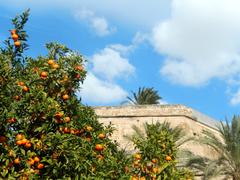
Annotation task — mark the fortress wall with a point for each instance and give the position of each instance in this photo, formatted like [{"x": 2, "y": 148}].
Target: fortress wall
[{"x": 124, "y": 117}]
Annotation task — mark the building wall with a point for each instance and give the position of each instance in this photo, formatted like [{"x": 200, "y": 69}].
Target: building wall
[{"x": 124, "y": 117}]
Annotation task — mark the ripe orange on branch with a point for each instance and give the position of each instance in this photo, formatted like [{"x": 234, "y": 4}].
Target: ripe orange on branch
[
  {"x": 137, "y": 156},
  {"x": 44, "y": 75},
  {"x": 17, "y": 43},
  {"x": 40, "y": 166},
  {"x": 15, "y": 37},
  {"x": 55, "y": 66},
  {"x": 13, "y": 31},
  {"x": 154, "y": 160},
  {"x": 65, "y": 97},
  {"x": 99, "y": 147},
  {"x": 67, "y": 119},
  {"x": 36, "y": 159},
  {"x": 17, "y": 161},
  {"x": 168, "y": 158},
  {"x": 20, "y": 83},
  {"x": 58, "y": 115},
  {"x": 51, "y": 62},
  {"x": 101, "y": 136},
  {"x": 28, "y": 145},
  {"x": 79, "y": 68},
  {"x": 17, "y": 98},
  {"x": 12, "y": 120},
  {"x": 25, "y": 89},
  {"x": 19, "y": 136},
  {"x": 89, "y": 128},
  {"x": 30, "y": 162}
]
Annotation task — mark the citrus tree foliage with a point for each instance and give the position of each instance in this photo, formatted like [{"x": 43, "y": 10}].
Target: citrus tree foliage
[
  {"x": 45, "y": 131},
  {"x": 157, "y": 153}
]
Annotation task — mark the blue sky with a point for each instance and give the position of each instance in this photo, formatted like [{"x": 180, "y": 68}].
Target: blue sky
[{"x": 186, "y": 49}]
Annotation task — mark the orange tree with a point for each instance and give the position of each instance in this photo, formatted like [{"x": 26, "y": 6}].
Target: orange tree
[
  {"x": 156, "y": 156},
  {"x": 45, "y": 131}
]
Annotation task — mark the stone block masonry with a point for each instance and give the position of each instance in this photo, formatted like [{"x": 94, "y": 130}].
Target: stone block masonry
[{"x": 123, "y": 118}]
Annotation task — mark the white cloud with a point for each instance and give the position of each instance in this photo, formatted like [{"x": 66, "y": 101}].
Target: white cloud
[
  {"x": 235, "y": 98},
  {"x": 98, "y": 24},
  {"x": 101, "y": 92},
  {"x": 145, "y": 13},
  {"x": 201, "y": 41},
  {"x": 109, "y": 64}
]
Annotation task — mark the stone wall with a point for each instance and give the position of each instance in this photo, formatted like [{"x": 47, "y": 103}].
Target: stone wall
[{"x": 124, "y": 117}]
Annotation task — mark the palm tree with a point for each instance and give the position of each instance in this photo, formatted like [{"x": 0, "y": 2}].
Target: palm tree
[
  {"x": 145, "y": 96},
  {"x": 228, "y": 149}
]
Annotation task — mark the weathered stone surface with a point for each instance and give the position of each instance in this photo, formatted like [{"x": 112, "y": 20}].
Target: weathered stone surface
[{"x": 124, "y": 117}]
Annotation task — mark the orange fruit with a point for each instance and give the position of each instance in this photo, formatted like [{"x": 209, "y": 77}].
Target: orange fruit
[
  {"x": 142, "y": 178},
  {"x": 78, "y": 76},
  {"x": 168, "y": 158},
  {"x": 13, "y": 31},
  {"x": 58, "y": 115},
  {"x": 15, "y": 37},
  {"x": 17, "y": 98},
  {"x": 3, "y": 139},
  {"x": 21, "y": 83},
  {"x": 154, "y": 160},
  {"x": 24, "y": 141},
  {"x": 101, "y": 136},
  {"x": 89, "y": 128},
  {"x": 17, "y": 161},
  {"x": 134, "y": 178},
  {"x": 40, "y": 166},
  {"x": 137, "y": 156},
  {"x": 19, "y": 136},
  {"x": 65, "y": 97},
  {"x": 67, "y": 119},
  {"x": 66, "y": 130},
  {"x": 55, "y": 66},
  {"x": 19, "y": 142},
  {"x": 28, "y": 145},
  {"x": 155, "y": 170},
  {"x": 36, "y": 159},
  {"x": 30, "y": 162},
  {"x": 25, "y": 89},
  {"x": 17, "y": 43},
  {"x": 99, "y": 147},
  {"x": 72, "y": 131},
  {"x": 51, "y": 62},
  {"x": 12, "y": 120},
  {"x": 44, "y": 75},
  {"x": 78, "y": 68}
]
